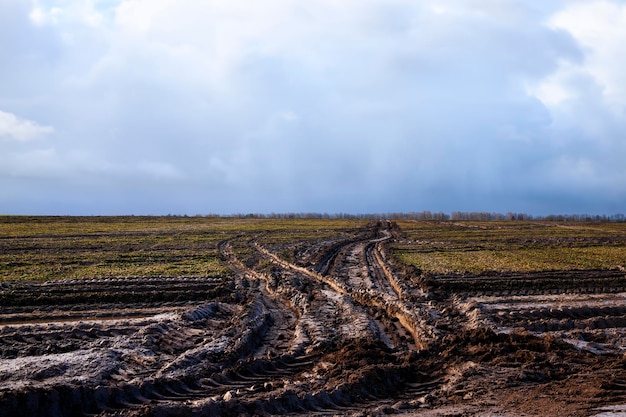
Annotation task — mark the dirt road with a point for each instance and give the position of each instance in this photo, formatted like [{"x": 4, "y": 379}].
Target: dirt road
[{"x": 344, "y": 329}]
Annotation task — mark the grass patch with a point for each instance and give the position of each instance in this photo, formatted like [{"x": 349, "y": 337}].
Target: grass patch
[
  {"x": 36, "y": 248},
  {"x": 475, "y": 247},
  {"x": 524, "y": 260},
  {"x": 43, "y": 248}
]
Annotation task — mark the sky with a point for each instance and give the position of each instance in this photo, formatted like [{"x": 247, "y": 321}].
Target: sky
[{"x": 356, "y": 106}]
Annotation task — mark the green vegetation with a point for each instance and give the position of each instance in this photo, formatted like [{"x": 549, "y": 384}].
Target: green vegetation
[
  {"x": 283, "y": 235},
  {"x": 475, "y": 247},
  {"x": 44, "y": 248}
]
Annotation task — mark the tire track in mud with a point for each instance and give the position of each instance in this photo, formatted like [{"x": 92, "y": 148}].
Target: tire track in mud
[
  {"x": 469, "y": 332},
  {"x": 301, "y": 382},
  {"x": 157, "y": 353},
  {"x": 378, "y": 272},
  {"x": 384, "y": 302},
  {"x": 339, "y": 331},
  {"x": 286, "y": 314},
  {"x": 384, "y": 311},
  {"x": 380, "y": 290},
  {"x": 254, "y": 371}
]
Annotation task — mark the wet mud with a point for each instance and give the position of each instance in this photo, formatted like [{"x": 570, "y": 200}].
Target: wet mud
[{"x": 344, "y": 329}]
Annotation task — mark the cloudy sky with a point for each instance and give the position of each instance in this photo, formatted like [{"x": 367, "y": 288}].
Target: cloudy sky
[{"x": 227, "y": 106}]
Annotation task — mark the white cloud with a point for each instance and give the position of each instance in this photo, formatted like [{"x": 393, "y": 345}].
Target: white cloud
[
  {"x": 67, "y": 12},
  {"x": 587, "y": 101},
  {"x": 13, "y": 127},
  {"x": 38, "y": 16},
  {"x": 600, "y": 28}
]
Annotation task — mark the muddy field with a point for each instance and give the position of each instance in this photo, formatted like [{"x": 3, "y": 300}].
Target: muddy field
[{"x": 334, "y": 325}]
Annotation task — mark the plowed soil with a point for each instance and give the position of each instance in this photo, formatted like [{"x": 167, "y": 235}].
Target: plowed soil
[{"x": 338, "y": 327}]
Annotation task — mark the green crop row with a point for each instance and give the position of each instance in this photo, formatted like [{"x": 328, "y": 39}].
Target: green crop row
[
  {"x": 515, "y": 260},
  {"x": 42, "y": 248}
]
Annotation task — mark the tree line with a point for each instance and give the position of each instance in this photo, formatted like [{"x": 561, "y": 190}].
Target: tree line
[{"x": 435, "y": 216}]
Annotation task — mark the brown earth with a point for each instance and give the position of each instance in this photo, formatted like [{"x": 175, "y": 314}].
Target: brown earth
[{"x": 342, "y": 330}]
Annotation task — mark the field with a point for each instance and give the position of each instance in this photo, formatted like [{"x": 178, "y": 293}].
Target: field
[{"x": 190, "y": 316}]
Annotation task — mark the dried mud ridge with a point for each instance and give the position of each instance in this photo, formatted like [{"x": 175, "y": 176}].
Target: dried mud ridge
[{"x": 343, "y": 330}]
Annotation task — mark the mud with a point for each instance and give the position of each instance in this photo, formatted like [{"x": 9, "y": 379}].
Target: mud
[{"x": 341, "y": 329}]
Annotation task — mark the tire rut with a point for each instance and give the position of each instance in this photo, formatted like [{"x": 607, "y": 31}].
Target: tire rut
[{"x": 343, "y": 329}]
